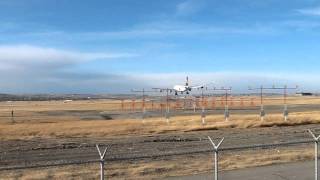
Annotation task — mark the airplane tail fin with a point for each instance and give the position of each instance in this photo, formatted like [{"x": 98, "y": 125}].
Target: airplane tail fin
[{"x": 187, "y": 82}]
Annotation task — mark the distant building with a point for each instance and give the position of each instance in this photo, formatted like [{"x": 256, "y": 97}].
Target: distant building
[{"x": 304, "y": 94}]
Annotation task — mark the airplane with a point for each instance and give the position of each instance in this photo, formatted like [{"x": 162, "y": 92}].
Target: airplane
[{"x": 181, "y": 88}]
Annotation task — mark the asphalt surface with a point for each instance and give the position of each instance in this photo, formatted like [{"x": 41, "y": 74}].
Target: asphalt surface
[
  {"x": 233, "y": 110},
  {"x": 290, "y": 171}
]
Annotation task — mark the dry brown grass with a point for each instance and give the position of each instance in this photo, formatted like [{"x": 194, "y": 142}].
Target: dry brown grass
[
  {"x": 71, "y": 127},
  {"x": 36, "y": 106},
  {"x": 176, "y": 166},
  {"x": 30, "y": 124},
  {"x": 278, "y": 100}
]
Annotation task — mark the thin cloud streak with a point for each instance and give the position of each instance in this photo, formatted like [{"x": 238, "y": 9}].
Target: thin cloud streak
[
  {"x": 34, "y": 69},
  {"x": 310, "y": 11},
  {"x": 57, "y": 76},
  {"x": 27, "y": 55},
  {"x": 156, "y": 32},
  {"x": 85, "y": 82},
  {"x": 189, "y": 7},
  {"x": 165, "y": 29}
]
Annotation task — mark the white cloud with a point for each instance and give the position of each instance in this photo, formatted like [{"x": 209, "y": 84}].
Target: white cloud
[
  {"x": 151, "y": 30},
  {"x": 302, "y": 24},
  {"x": 26, "y": 68},
  {"x": 173, "y": 29},
  {"x": 41, "y": 54},
  {"x": 310, "y": 11},
  {"x": 26, "y": 55}
]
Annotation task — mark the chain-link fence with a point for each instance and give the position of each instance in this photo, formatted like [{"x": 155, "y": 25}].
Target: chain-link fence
[{"x": 130, "y": 162}]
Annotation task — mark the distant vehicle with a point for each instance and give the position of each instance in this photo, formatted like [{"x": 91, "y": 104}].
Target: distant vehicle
[{"x": 181, "y": 88}]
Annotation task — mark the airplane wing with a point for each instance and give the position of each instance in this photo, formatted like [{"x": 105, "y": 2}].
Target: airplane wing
[
  {"x": 200, "y": 86},
  {"x": 164, "y": 89},
  {"x": 197, "y": 87}
]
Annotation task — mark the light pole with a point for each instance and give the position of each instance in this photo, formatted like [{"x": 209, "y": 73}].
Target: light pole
[
  {"x": 285, "y": 88},
  {"x": 226, "y": 107}
]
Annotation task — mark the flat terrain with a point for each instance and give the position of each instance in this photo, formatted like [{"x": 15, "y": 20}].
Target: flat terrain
[
  {"x": 292, "y": 171},
  {"x": 50, "y": 132}
]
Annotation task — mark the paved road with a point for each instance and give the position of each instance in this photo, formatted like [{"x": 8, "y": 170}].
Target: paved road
[
  {"x": 269, "y": 109},
  {"x": 291, "y": 171}
]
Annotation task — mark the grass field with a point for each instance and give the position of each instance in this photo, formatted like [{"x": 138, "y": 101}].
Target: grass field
[
  {"x": 68, "y": 127},
  {"x": 57, "y": 122},
  {"x": 58, "y": 119}
]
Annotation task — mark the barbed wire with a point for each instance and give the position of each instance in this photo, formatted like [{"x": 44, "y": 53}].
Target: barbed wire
[{"x": 159, "y": 155}]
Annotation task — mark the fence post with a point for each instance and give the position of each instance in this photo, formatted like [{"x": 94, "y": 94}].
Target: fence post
[
  {"x": 122, "y": 104},
  {"x": 252, "y": 102},
  {"x": 262, "y": 113},
  {"x": 316, "y": 140},
  {"x": 285, "y": 112},
  {"x": 152, "y": 105},
  {"x": 226, "y": 113},
  {"x": 12, "y": 117},
  {"x": 133, "y": 104},
  {"x": 102, "y": 159},
  {"x": 213, "y": 103},
  {"x": 241, "y": 102},
  {"x": 144, "y": 114},
  {"x": 215, "y": 149},
  {"x": 167, "y": 115},
  {"x": 203, "y": 116}
]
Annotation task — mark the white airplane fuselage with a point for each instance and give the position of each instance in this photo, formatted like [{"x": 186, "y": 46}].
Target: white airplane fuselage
[{"x": 180, "y": 88}]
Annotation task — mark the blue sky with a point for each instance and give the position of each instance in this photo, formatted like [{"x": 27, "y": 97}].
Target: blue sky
[{"x": 108, "y": 46}]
